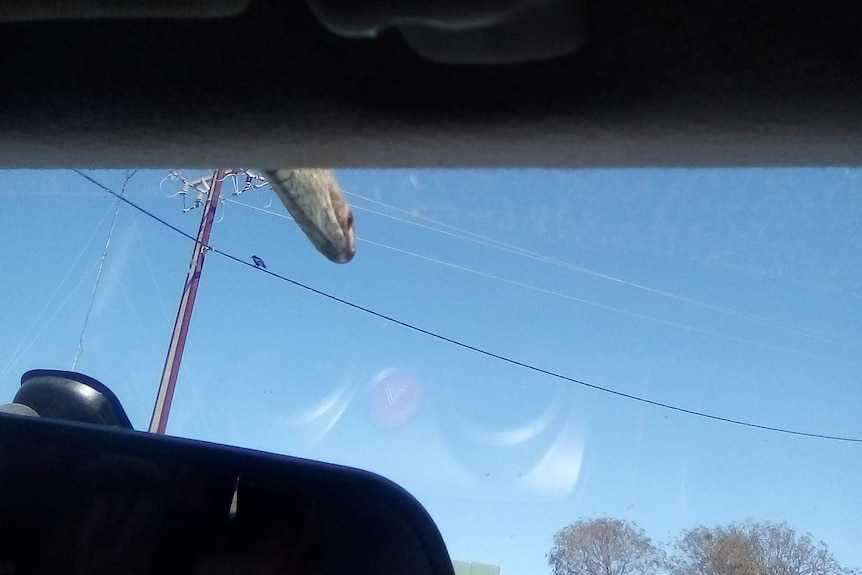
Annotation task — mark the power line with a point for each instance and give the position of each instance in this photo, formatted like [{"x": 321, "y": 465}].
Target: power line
[
  {"x": 136, "y": 206},
  {"x": 487, "y": 241},
  {"x": 80, "y": 349},
  {"x": 158, "y": 291},
  {"x": 557, "y": 294},
  {"x": 23, "y": 346},
  {"x": 286, "y": 217},
  {"x": 479, "y": 350},
  {"x": 634, "y": 314}
]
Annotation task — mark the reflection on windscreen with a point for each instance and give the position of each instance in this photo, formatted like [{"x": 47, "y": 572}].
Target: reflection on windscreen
[{"x": 546, "y": 359}]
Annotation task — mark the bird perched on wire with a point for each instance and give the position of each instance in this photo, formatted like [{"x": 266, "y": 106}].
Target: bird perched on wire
[
  {"x": 258, "y": 262},
  {"x": 316, "y": 201}
]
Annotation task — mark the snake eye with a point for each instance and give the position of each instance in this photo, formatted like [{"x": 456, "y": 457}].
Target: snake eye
[{"x": 350, "y": 221}]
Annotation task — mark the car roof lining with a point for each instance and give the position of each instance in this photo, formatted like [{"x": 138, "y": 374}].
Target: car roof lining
[{"x": 659, "y": 83}]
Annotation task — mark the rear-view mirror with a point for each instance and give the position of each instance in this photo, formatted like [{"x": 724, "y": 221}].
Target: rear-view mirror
[{"x": 92, "y": 499}]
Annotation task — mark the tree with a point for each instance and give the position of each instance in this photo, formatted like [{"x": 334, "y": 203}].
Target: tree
[
  {"x": 604, "y": 547},
  {"x": 753, "y": 549},
  {"x": 716, "y": 551}
]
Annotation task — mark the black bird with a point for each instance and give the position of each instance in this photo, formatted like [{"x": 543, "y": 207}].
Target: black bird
[{"x": 258, "y": 263}]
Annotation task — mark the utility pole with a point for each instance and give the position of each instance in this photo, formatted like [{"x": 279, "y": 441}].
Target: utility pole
[{"x": 162, "y": 408}]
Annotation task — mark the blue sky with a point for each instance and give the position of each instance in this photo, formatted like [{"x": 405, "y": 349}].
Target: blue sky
[{"x": 733, "y": 292}]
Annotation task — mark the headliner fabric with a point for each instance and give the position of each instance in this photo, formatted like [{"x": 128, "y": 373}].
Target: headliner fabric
[{"x": 658, "y": 83}]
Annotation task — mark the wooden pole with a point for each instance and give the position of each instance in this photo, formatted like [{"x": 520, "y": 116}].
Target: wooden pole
[{"x": 162, "y": 408}]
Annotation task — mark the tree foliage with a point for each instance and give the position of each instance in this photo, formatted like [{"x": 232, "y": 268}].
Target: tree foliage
[
  {"x": 753, "y": 549},
  {"x": 604, "y": 547}
]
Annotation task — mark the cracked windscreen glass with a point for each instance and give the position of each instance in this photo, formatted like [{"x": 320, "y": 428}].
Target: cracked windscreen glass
[{"x": 587, "y": 372}]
